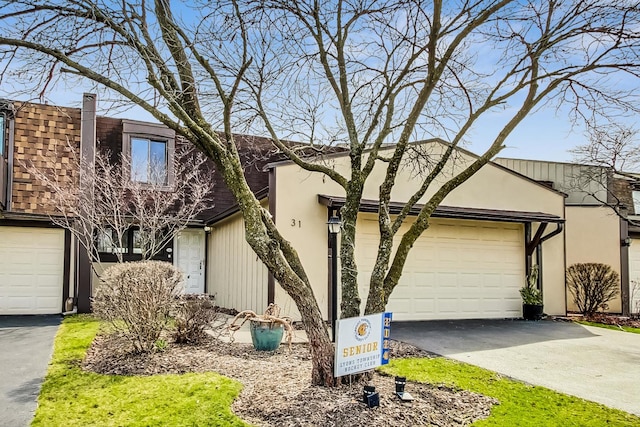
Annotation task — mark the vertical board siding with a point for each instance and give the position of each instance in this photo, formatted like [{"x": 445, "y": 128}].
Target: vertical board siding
[
  {"x": 236, "y": 276},
  {"x": 579, "y": 182}
]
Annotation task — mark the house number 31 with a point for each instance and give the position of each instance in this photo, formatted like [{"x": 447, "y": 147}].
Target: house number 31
[{"x": 295, "y": 222}]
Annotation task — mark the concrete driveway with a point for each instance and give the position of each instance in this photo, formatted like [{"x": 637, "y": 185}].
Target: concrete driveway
[
  {"x": 596, "y": 364},
  {"x": 26, "y": 345}
]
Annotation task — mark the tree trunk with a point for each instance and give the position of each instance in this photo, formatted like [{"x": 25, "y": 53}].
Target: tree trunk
[
  {"x": 350, "y": 304},
  {"x": 283, "y": 262}
]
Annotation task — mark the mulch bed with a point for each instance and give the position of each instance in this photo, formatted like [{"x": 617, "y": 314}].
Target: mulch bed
[
  {"x": 612, "y": 319},
  {"x": 277, "y": 391}
]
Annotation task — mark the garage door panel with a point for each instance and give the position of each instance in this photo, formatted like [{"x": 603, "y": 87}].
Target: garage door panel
[
  {"x": 31, "y": 270},
  {"x": 457, "y": 269}
]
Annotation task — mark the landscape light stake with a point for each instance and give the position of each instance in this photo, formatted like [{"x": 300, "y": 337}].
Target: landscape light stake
[
  {"x": 370, "y": 396},
  {"x": 401, "y": 382}
]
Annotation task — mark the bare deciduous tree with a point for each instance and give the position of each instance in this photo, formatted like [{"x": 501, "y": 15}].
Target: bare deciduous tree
[
  {"x": 612, "y": 159},
  {"x": 359, "y": 73},
  {"x": 101, "y": 211}
]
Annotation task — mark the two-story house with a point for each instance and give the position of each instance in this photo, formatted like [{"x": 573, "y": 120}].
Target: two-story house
[{"x": 43, "y": 270}]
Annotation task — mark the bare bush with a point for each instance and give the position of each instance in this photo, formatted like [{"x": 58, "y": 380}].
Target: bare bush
[
  {"x": 193, "y": 313},
  {"x": 635, "y": 298},
  {"x": 137, "y": 299},
  {"x": 110, "y": 201},
  {"x": 592, "y": 285}
]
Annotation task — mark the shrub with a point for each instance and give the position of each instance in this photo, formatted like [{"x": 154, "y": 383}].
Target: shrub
[
  {"x": 635, "y": 298},
  {"x": 592, "y": 285},
  {"x": 193, "y": 313},
  {"x": 529, "y": 292},
  {"x": 137, "y": 298}
]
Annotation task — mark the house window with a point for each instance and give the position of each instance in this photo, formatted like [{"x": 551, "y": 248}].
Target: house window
[
  {"x": 149, "y": 161},
  {"x": 137, "y": 242},
  {"x": 150, "y": 148},
  {"x": 109, "y": 243},
  {"x": 130, "y": 246},
  {"x": 636, "y": 201},
  {"x": 3, "y": 132}
]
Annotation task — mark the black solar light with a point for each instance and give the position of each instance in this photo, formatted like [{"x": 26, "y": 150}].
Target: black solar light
[{"x": 370, "y": 396}]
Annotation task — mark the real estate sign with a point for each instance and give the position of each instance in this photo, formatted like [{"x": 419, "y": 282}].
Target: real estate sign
[{"x": 362, "y": 343}]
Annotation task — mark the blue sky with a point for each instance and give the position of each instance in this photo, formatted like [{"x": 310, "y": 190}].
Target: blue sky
[{"x": 543, "y": 135}]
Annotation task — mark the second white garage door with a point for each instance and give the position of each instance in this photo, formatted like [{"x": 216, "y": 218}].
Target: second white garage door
[
  {"x": 31, "y": 270},
  {"x": 458, "y": 269}
]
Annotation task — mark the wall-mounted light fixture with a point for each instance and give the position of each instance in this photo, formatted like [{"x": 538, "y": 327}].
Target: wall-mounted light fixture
[
  {"x": 334, "y": 225},
  {"x": 207, "y": 229},
  {"x": 626, "y": 241}
]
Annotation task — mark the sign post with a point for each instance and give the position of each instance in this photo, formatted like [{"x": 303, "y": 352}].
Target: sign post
[{"x": 362, "y": 343}]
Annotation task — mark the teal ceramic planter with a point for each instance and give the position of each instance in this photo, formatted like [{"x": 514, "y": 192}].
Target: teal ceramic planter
[{"x": 266, "y": 336}]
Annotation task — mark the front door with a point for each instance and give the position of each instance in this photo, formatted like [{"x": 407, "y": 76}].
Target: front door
[{"x": 190, "y": 259}]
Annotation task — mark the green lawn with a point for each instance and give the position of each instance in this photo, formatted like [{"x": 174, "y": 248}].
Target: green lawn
[
  {"x": 520, "y": 404},
  {"x": 606, "y": 326},
  {"x": 72, "y": 397}
]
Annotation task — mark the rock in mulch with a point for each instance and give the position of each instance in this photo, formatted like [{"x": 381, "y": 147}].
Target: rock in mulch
[{"x": 277, "y": 391}]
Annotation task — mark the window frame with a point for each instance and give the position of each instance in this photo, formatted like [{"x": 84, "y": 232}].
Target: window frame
[
  {"x": 635, "y": 198},
  {"x": 132, "y": 129},
  {"x": 130, "y": 254},
  {"x": 3, "y": 132}
]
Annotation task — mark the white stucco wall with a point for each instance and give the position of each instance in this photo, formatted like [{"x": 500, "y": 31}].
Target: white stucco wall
[
  {"x": 593, "y": 235},
  {"x": 302, "y": 219}
]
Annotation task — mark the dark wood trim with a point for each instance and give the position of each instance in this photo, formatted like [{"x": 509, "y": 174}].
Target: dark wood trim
[
  {"x": 66, "y": 273},
  {"x": 564, "y": 263},
  {"x": 453, "y": 212},
  {"x": 262, "y": 194},
  {"x": 624, "y": 268},
  {"x": 11, "y": 146},
  {"x": 533, "y": 243},
  {"x": 528, "y": 258},
  {"x": 207, "y": 233},
  {"x": 271, "y": 189},
  {"x": 83, "y": 280},
  {"x": 5, "y": 222}
]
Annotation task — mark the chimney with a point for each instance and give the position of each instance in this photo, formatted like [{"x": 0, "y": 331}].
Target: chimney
[{"x": 87, "y": 161}]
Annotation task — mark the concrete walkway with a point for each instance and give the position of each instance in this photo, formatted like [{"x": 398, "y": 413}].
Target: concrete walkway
[
  {"x": 596, "y": 364},
  {"x": 26, "y": 345}
]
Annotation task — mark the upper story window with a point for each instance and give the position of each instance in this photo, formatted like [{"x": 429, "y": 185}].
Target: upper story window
[
  {"x": 636, "y": 201},
  {"x": 149, "y": 161},
  {"x": 150, "y": 150},
  {"x": 3, "y": 132}
]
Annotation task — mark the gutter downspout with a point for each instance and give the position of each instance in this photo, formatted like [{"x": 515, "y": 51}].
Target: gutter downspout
[{"x": 558, "y": 230}]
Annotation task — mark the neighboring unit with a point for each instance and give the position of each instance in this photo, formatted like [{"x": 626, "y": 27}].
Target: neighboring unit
[
  {"x": 600, "y": 214},
  {"x": 42, "y": 267}
]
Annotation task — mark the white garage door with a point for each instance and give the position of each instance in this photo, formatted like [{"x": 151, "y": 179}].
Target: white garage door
[
  {"x": 31, "y": 267},
  {"x": 634, "y": 275},
  {"x": 458, "y": 269}
]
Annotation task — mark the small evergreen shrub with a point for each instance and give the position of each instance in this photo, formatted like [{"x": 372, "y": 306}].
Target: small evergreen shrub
[
  {"x": 193, "y": 313},
  {"x": 592, "y": 285},
  {"x": 137, "y": 299}
]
